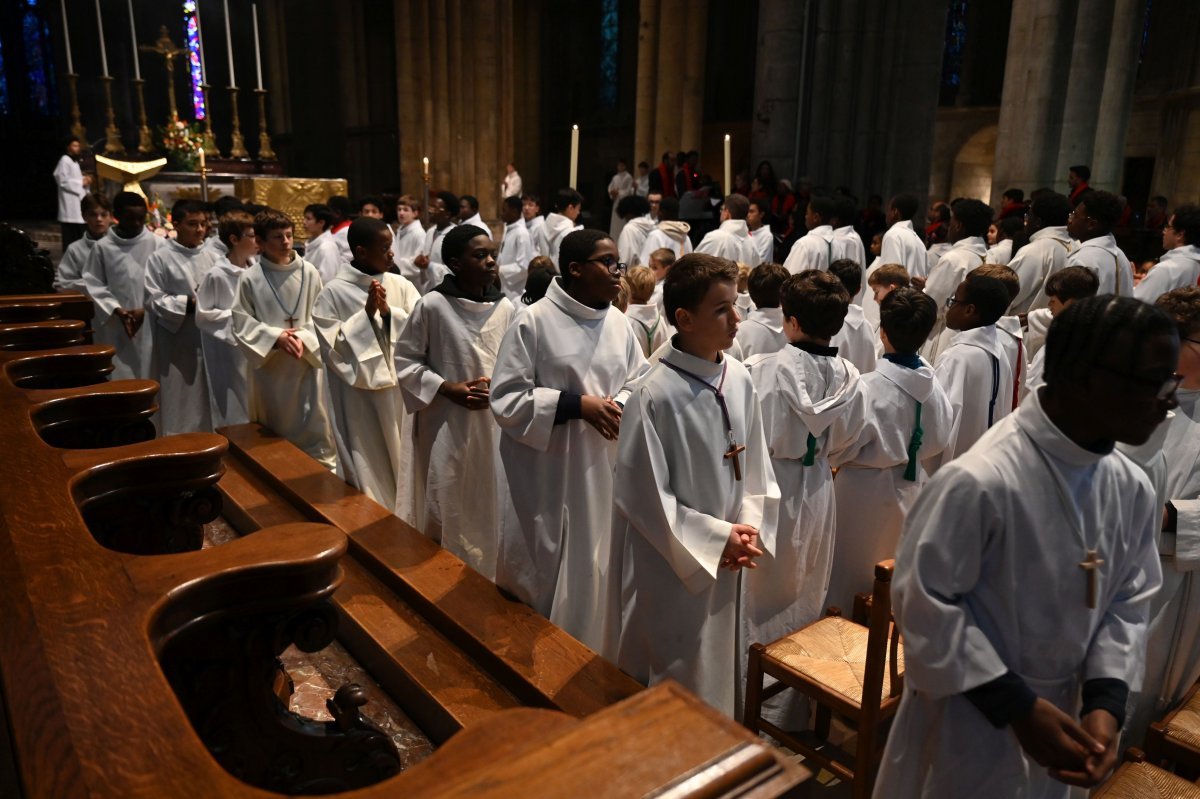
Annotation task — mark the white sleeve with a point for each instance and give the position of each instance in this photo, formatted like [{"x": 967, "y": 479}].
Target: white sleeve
[
  {"x": 211, "y": 317},
  {"x": 95, "y": 280},
  {"x": 524, "y": 410},
  {"x": 419, "y": 384},
  {"x": 170, "y": 310},
  {"x": 351, "y": 347}
]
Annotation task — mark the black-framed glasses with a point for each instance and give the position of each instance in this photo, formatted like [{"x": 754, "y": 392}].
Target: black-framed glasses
[
  {"x": 1163, "y": 389},
  {"x": 951, "y": 302},
  {"x": 614, "y": 267}
]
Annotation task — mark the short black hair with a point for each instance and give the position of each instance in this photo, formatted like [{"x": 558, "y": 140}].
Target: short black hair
[
  {"x": 182, "y": 208},
  {"x": 690, "y": 278},
  {"x": 530, "y": 197},
  {"x": 668, "y": 209},
  {"x": 226, "y": 203},
  {"x": 471, "y": 200},
  {"x": 127, "y": 199},
  {"x": 321, "y": 213},
  {"x": 850, "y": 273},
  {"x": 763, "y": 204},
  {"x": 567, "y": 197},
  {"x": 905, "y": 205},
  {"x": 737, "y": 205},
  {"x": 449, "y": 200},
  {"x": 817, "y": 301},
  {"x": 823, "y": 206},
  {"x": 341, "y": 206},
  {"x": 538, "y": 282},
  {"x": 1187, "y": 222},
  {"x": 1082, "y": 170},
  {"x": 577, "y": 246},
  {"x": 907, "y": 316},
  {"x": 988, "y": 294},
  {"x": 845, "y": 209},
  {"x": 94, "y": 200},
  {"x": 370, "y": 199},
  {"x": 1051, "y": 208},
  {"x": 633, "y": 206},
  {"x": 1016, "y": 195},
  {"x": 764, "y": 284},
  {"x": 454, "y": 243},
  {"x": 1102, "y": 206},
  {"x": 1072, "y": 283},
  {"x": 974, "y": 215},
  {"x": 362, "y": 232},
  {"x": 513, "y": 202},
  {"x": 1010, "y": 226},
  {"x": 1087, "y": 330}
]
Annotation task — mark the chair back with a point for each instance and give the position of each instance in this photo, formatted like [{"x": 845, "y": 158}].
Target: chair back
[{"x": 883, "y": 641}]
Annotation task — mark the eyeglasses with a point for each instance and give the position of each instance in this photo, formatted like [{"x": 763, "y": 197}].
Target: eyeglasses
[
  {"x": 1163, "y": 389},
  {"x": 614, "y": 267},
  {"x": 951, "y": 302}
]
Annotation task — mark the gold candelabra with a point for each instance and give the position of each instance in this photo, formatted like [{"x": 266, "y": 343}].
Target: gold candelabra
[
  {"x": 112, "y": 136},
  {"x": 210, "y": 141},
  {"x": 77, "y": 128},
  {"x": 237, "y": 147},
  {"x": 145, "y": 143},
  {"x": 265, "y": 153}
]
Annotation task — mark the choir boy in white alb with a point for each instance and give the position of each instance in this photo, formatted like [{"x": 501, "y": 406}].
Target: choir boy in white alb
[
  {"x": 1092, "y": 222},
  {"x": 223, "y": 205},
  {"x": 814, "y": 250},
  {"x": 343, "y": 214},
  {"x": 468, "y": 213},
  {"x": 320, "y": 249},
  {"x": 516, "y": 251},
  {"x": 856, "y": 341},
  {"x": 906, "y": 419},
  {"x": 72, "y": 188},
  {"x": 655, "y": 200},
  {"x": 649, "y": 326},
  {"x": 568, "y": 203},
  {"x": 511, "y": 185},
  {"x": 969, "y": 220},
  {"x": 531, "y": 209},
  {"x": 409, "y": 237},
  {"x": 115, "y": 279},
  {"x": 273, "y": 324},
  {"x": 901, "y": 244},
  {"x": 975, "y": 370},
  {"x": 732, "y": 239},
  {"x": 866, "y": 297},
  {"x": 224, "y": 362},
  {"x": 760, "y": 232},
  {"x": 1062, "y": 288},
  {"x": 358, "y": 316},
  {"x": 370, "y": 207},
  {"x": 619, "y": 187},
  {"x": 695, "y": 497},
  {"x": 670, "y": 233},
  {"x": 97, "y": 218},
  {"x": 1025, "y": 574},
  {"x": 661, "y": 261},
  {"x": 1047, "y": 250},
  {"x": 173, "y": 276},
  {"x": 635, "y": 210},
  {"x": 1180, "y": 264},
  {"x": 846, "y": 241},
  {"x": 762, "y": 331},
  {"x": 1012, "y": 335},
  {"x": 429, "y": 269},
  {"x": 804, "y": 389},
  {"x": 542, "y": 273},
  {"x": 444, "y": 360},
  {"x": 564, "y": 370},
  {"x": 1000, "y": 239}
]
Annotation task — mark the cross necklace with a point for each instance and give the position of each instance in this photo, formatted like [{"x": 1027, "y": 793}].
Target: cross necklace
[
  {"x": 1092, "y": 561},
  {"x": 291, "y": 315},
  {"x": 735, "y": 449}
]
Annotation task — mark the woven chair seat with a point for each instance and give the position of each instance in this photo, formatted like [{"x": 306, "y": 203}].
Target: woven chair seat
[
  {"x": 1184, "y": 723},
  {"x": 1144, "y": 781},
  {"x": 832, "y": 652}
]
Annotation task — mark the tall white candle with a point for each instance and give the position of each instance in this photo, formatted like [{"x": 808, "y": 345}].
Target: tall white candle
[
  {"x": 67, "y": 39},
  {"x": 574, "y": 155},
  {"x": 137, "y": 67},
  {"x": 728, "y": 183},
  {"x": 229, "y": 48},
  {"x": 200, "y": 41},
  {"x": 425, "y": 166},
  {"x": 201, "y": 160},
  {"x": 257, "y": 49},
  {"x": 103, "y": 52}
]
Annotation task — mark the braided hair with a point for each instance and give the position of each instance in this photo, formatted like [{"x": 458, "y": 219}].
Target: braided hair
[{"x": 1080, "y": 336}]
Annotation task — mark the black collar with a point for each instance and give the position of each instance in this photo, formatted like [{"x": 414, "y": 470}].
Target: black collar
[
  {"x": 815, "y": 349},
  {"x": 449, "y": 286}
]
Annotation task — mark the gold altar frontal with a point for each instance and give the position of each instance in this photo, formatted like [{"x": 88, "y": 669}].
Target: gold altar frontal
[{"x": 290, "y": 195}]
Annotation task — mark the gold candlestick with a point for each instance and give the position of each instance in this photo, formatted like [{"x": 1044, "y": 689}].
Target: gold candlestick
[
  {"x": 265, "y": 153},
  {"x": 145, "y": 143},
  {"x": 237, "y": 147},
  {"x": 112, "y": 136},
  {"x": 77, "y": 128},
  {"x": 210, "y": 141}
]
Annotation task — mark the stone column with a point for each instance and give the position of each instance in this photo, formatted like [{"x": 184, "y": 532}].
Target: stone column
[
  {"x": 1116, "y": 102},
  {"x": 647, "y": 84},
  {"x": 671, "y": 42},
  {"x": 778, "y": 67},
  {"x": 691, "y": 115},
  {"x": 1085, "y": 82}
]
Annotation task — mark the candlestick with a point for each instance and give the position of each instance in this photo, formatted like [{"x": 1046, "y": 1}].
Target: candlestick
[
  {"x": 67, "y": 38},
  {"x": 145, "y": 143},
  {"x": 425, "y": 166},
  {"x": 425, "y": 179},
  {"x": 237, "y": 147},
  {"x": 112, "y": 136},
  {"x": 77, "y": 128},
  {"x": 574, "y": 155},
  {"x": 229, "y": 50},
  {"x": 137, "y": 67},
  {"x": 103, "y": 52},
  {"x": 265, "y": 153},
  {"x": 210, "y": 140},
  {"x": 257, "y": 49},
  {"x": 728, "y": 184}
]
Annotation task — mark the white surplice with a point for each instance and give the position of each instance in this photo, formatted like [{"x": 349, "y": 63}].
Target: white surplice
[
  {"x": 71, "y": 191},
  {"x": 224, "y": 363},
  {"x": 633, "y": 236},
  {"x": 284, "y": 393},
  {"x": 516, "y": 251},
  {"x": 1001, "y": 253},
  {"x": 435, "y": 272},
  {"x": 1012, "y": 338},
  {"x": 406, "y": 245},
  {"x": 856, "y": 340},
  {"x": 555, "y": 552},
  {"x": 359, "y": 354},
  {"x": 173, "y": 275},
  {"x": 1176, "y": 269},
  {"x": 902, "y": 245},
  {"x": 764, "y": 242},
  {"x": 341, "y": 239},
  {"x": 537, "y": 235},
  {"x": 1110, "y": 265},
  {"x": 676, "y": 500},
  {"x": 1045, "y": 254},
  {"x": 871, "y": 491},
  {"x": 619, "y": 187},
  {"x": 848, "y": 244},
  {"x": 762, "y": 332},
  {"x": 869, "y": 306},
  {"x": 556, "y": 229},
  {"x": 217, "y": 247},
  {"x": 115, "y": 278},
  {"x": 965, "y": 256},
  {"x": 322, "y": 252},
  {"x": 670, "y": 235},
  {"x": 511, "y": 187},
  {"x": 731, "y": 240},
  {"x": 814, "y": 250},
  {"x": 69, "y": 274},
  {"x": 935, "y": 254},
  {"x": 977, "y": 377},
  {"x": 456, "y": 465},
  {"x": 649, "y": 326},
  {"x": 987, "y": 582}
]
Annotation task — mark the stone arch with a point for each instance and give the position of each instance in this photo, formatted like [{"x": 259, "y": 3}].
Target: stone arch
[{"x": 974, "y": 163}]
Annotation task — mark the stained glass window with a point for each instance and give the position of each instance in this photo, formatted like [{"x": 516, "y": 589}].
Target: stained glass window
[
  {"x": 952, "y": 59},
  {"x": 39, "y": 62},
  {"x": 191, "y": 35},
  {"x": 1145, "y": 30},
  {"x": 609, "y": 40},
  {"x": 4, "y": 108}
]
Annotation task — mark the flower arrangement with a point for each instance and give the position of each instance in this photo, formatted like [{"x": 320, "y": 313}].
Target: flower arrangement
[{"x": 182, "y": 141}]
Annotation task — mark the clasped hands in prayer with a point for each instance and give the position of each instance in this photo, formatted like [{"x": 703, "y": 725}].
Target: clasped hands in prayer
[
  {"x": 1076, "y": 753},
  {"x": 471, "y": 394},
  {"x": 131, "y": 320},
  {"x": 741, "y": 549}
]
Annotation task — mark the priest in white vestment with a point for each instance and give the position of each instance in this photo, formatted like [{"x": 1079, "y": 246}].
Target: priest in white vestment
[
  {"x": 1046, "y": 252},
  {"x": 969, "y": 222},
  {"x": 732, "y": 238},
  {"x": 1091, "y": 223},
  {"x": 97, "y": 218},
  {"x": 72, "y": 188},
  {"x": 1180, "y": 264},
  {"x": 224, "y": 362},
  {"x": 516, "y": 250},
  {"x": 901, "y": 244}
]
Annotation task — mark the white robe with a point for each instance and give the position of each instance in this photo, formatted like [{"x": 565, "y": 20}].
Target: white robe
[
  {"x": 856, "y": 340},
  {"x": 848, "y": 244},
  {"x": 676, "y": 500},
  {"x": 224, "y": 363},
  {"x": 555, "y": 552},
  {"x": 435, "y": 272},
  {"x": 115, "y": 278},
  {"x": 359, "y": 355},
  {"x": 537, "y": 234},
  {"x": 869, "y": 306},
  {"x": 633, "y": 236},
  {"x": 477, "y": 221},
  {"x": 284, "y": 393},
  {"x": 762, "y": 332},
  {"x": 974, "y": 370},
  {"x": 511, "y": 187},
  {"x": 1037, "y": 325},
  {"x": 1177, "y": 268},
  {"x": 406, "y": 245},
  {"x": 323, "y": 253},
  {"x": 1001, "y": 253},
  {"x": 556, "y": 229},
  {"x": 217, "y": 247},
  {"x": 871, "y": 493},
  {"x": 69, "y": 274},
  {"x": 935, "y": 254},
  {"x": 965, "y": 256},
  {"x": 622, "y": 185},
  {"x": 516, "y": 251},
  {"x": 764, "y": 242},
  {"x": 1045, "y": 254},
  {"x": 731, "y": 240},
  {"x": 69, "y": 178},
  {"x": 1105, "y": 259},
  {"x": 341, "y": 239},
  {"x": 649, "y": 326},
  {"x": 1035, "y": 375},
  {"x": 814, "y": 250},
  {"x": 669, "y": 235},
  {"x": 902, "y": 245},
  {"x": 1012, "y": 339},
  {"x": 173, "y": 275},
  {"x": 987, "y": 582},
  {"x": 456, "y": 466}
]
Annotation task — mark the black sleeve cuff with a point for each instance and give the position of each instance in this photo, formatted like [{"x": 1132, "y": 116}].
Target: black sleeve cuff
[
  {"x": 570, "y": 406},
  {"x": 1106, "y": 693},
  {"x": 1003, "y": 700},
  {"x": 1172, "y": 519}
]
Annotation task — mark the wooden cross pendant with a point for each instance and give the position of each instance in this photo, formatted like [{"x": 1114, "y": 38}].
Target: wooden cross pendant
[
  {"x": 291, "y": 322},
  {"x": 735, "y": 449},
  {"x": 1089, "y": 565}
]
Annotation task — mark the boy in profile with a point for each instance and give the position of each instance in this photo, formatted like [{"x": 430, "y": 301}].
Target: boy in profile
[{"x": 97, "y": 217}]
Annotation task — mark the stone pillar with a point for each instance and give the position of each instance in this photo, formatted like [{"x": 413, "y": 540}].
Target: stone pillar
[
  {"x": 781, "y": 37},
  {"x": 667, "y": 102},
  {"x": 1116, "y": 102},
  {"x": 647, "y": 84},
  {"x": 1085, "y": 82},
  {"x": 691, "y": 115}
]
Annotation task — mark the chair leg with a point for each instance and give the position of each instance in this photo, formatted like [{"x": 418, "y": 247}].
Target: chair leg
[
  {"x": 754, "y": 689},
  {"x": 824, "y": 717},
  {"x": 864, "y": 761}
]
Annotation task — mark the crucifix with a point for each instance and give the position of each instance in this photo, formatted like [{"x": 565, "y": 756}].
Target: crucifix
[
  {"x": 291, "y": 322},
  {"x": 166, "y": 48},
  {"x": 734, "y": 450},
  {"x": 1089, "y": 565}
]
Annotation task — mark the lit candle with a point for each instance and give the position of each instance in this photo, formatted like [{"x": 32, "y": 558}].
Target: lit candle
[
  {"x": 425, "y": 166},
  {"x": 103, "y": 52},
  {"x": 201, "y": 160},
  {"x": 67, "y": 39},
  {"x": 200, "y": 41},
  {"x": 229, "y": 48},
  {"x": 257, "y": 51},
  {"x": 137, "y": 68},
  {"x": 728, "y": 183},
  {"x": 574, "y": 154}
]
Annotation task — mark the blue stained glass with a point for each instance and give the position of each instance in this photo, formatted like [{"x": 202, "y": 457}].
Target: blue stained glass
[
  {"x": 610, "y": 30},
  {"x": 4, "y": 108},
  {"x": 1145, "y": 30},
  {"x": 39, "y": 64},
  {"x": 191, "y": 35}
]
